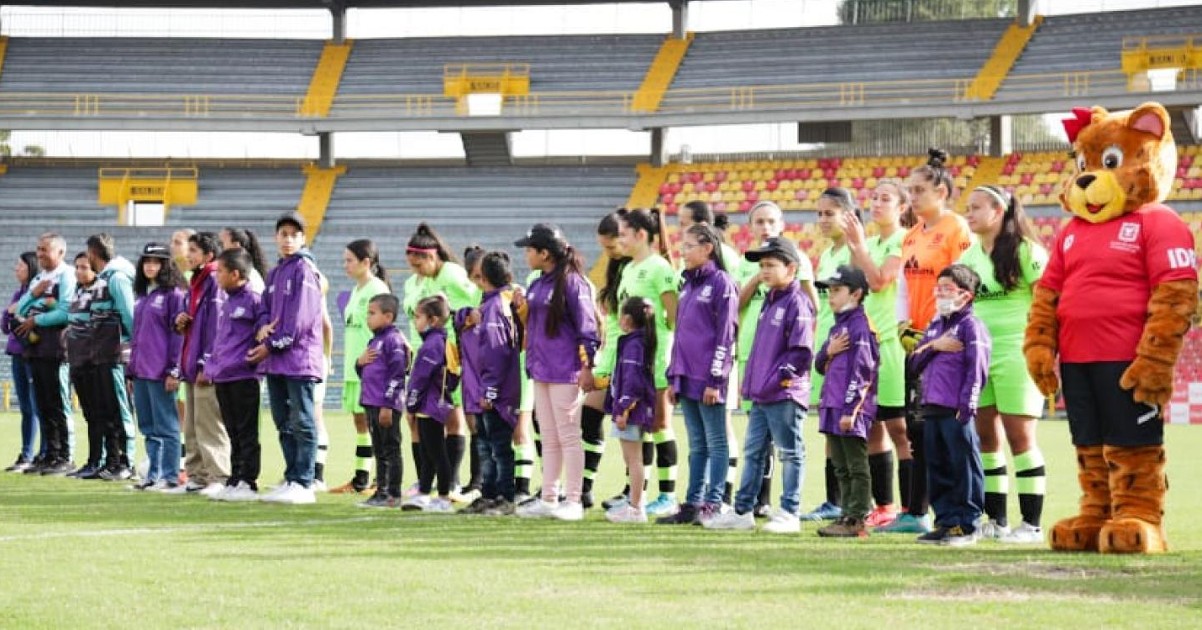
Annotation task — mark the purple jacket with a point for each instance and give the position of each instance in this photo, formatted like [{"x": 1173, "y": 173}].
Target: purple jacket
[
  {"x": 954, "y": 379},
  {"x": 632, "y": 384},
  {"x": 154, "y": 345},
  {"x": 489, "y": 354},
  {"x": 14, "y": 347},
  {"x": 237, "y": 322},
  {"x": 782, "y": 349},
  {"x": 849, "y": 387},
  {"x": 201, "y": 333},
  {"x": 382, "y": 382},
  {"x": 707, "y": 322},
  {"x": 557, "y": 359},
  {"x": 294, "y": 301},
  {"x": 430, "y": 384}
]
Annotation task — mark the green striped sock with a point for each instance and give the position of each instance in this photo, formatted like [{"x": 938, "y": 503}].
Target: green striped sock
[
  {"x": 362, "y": 452},
  {"x": 1030, "y": 479},
  {"x": 997, "y": 486}
]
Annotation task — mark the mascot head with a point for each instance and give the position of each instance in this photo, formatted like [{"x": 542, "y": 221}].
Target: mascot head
[{"x": 1124, "y": 160}]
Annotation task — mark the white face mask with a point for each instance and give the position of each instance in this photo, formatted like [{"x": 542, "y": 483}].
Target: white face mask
[
  {"x": 947, "y": 306},
  {"x": 847, "y": 307}
]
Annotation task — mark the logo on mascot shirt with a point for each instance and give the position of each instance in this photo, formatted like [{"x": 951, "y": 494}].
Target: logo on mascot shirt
[
  {"x": 1068, "y": 242},
  {"x": 1128, "y": 238}
]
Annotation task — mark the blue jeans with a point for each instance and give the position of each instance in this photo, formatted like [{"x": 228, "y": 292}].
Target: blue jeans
[
  {"x": 782, "y": 422},
  {"x": 955, "y": 477},
  {"x": 494, "y": 445},
  {"x": 709, "y": 455},
  {"x": 23, "y": 384},
  {"x": 158, "y": 420},
  {"x": 292, "y": 410}
]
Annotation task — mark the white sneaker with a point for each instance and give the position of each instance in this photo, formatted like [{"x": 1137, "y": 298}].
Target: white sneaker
[
  {"x": 416, "y": 502},
  {"x": 277, "y": 492},
  {"x": 319, "y": 486},
  {"x": 459, "y": 496},
  {"x": 412, "y": 491},
  {"x": 184, "y": 488},
  {"x": 626, "y": 513},
  {"x": 212, "y": 489},
  {"x": 240, "y": 493},
  {"x": 990, "y": 530},
  {"x": 731, "y": 520},
  {"x": 537, "y": 509},
  {"x": 439, "y": 505},
  {"x": 568, "y": 511},
  {"x": 1024, "y": 534},
  {"x": 782, "y": 522},
  {"x": 219, "y": 495},
  {"x": 297, "y": 495}
]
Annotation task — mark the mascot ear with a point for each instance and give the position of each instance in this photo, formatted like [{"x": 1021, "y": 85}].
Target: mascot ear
[{"x": 1149, "y": 118}]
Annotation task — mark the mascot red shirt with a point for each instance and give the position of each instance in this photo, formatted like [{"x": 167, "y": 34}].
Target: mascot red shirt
[{"x": 1111, "y": 312}]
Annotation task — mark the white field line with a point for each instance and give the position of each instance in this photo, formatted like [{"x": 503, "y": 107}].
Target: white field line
[{"x": 206, "y": 527}]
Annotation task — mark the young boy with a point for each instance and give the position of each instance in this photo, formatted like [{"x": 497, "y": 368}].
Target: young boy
[
  {"x": 496, "y": 339},
  {"x": 208, "y": 459},
  {"x": 235, "y": 379},
  {"x": 776, "y": 380},
  {"x": 849, "y": 360},
  {"x": 290, "y": 340},
  {"x": 953, "y": 359},
  {"x": 428, "y": 403},
  {"x": 382, "y": 369}
]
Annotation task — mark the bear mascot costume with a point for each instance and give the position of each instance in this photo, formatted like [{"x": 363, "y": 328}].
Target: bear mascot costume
[{"x": 1112, "y": 309}]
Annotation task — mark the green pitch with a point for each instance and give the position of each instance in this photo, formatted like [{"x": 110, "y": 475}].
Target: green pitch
[{"x": 76, "y": 554}]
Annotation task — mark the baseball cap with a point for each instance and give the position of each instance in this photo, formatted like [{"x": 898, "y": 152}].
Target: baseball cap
[
  {"x": 846, "y": 276},
  {"x": 541, "y": 236},
  {"x": 291, "y": 218},
  {"x": 775, "y": 246},
  {"x": 156, "y": 250}
]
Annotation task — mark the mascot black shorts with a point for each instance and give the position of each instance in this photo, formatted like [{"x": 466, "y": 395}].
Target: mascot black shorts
[{"x": 1100, "y": 412}]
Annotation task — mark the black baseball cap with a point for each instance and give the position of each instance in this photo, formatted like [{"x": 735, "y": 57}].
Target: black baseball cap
[
  {"x": 778, "y": 246},
  {"x": 542, "y": 236},
  {"x": 291, "y": 218},
  {"x": 156, "y": 250},
  {"x": 845, "y": 276}
]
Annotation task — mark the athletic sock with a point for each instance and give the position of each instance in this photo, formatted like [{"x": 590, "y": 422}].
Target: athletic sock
[
  {"x": 473, "y": 463},
  {"x": 732, "y": 471},
  {"x": 996, "y": 486},
  {"x": 832, "y": 483},
  {"x": 323, "y": 451},
  {"x": 415, "y": 448},
  {"x": 455, "y": 447},
  {"x": 523, "y": 467},
  {"x": 363, "y": 461},
  {"x": 665, "y": 460},
  {"x": 648, "y": 463},
  {"x": 880, "y": 467},
  {"x": 765, "y": 496},
  {"x": 1031, "y": 479},
  {"x": 592, "y": 434},
  {"x": 905, "y": 468}
]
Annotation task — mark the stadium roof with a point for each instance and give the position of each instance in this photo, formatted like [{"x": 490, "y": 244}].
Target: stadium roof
[{"x": 317, "y": 4}]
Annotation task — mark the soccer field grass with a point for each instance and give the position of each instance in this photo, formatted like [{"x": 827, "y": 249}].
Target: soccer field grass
[{"x": 92, "y": 554}]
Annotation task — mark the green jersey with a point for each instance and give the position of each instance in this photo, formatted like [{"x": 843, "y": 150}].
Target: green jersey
[
  {"x": 881, "y": 306},
  {"x": 452, "y": 281},
  {"x": 356, "y": 334},
  {"x": 1004, "y": 313},
  {"x": 650, "y": 278},
  {"x": 830, "y": 260},
  {"x": 607, "y": 354}
]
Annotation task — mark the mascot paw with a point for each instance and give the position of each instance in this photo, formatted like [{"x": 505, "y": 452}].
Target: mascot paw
[
  {"x": 1041, "y": 364},
  {"x": 1131, "y": 535},
  {"x": 1079, "y": 533},
  {"x": 1151, "y": 383}
]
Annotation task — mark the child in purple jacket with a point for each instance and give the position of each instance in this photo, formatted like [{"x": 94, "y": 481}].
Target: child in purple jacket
[
  {"x": 631, "y": 399},
  {"x": 383, "y": 368},
  {"x": 492, "y": 337},
  {"x": 428, "y": 402},
  {"x": 849, "y": 359},
  {"x": 154, "y": 349},
  {"x": 236, "y": 379},
  {"x": 953, "y": 359}
]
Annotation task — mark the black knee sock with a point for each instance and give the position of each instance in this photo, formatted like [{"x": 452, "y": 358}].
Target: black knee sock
[
  {"x": 665, "y": 460},
  {"x": 415, "y": 448},
  {"x": 455, "y": 447},
  {"x": 728, "y": 490},
  {"x": 538, "y": 437},
  {"x": 832, "y": 483},
  {"x": 473, "y": 465},
  {"x": 905, "y": 468},
  {"x": 765, "y": 497},
  {"x": 880, "y": 467},
  {"x": 648, "y": 460},
  {"x": 592, "y": 433}
]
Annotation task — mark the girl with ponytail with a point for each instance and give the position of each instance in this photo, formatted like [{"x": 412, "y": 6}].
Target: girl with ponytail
[
  {"x": 437, "y": 271},
  {"x": 1010, "y": 261},
  {"x": 238, "y": 238},
  {"x": 361, "y": 262},
  {"x": 561, "y": 342},
  {"x": 650, "y": 275}
]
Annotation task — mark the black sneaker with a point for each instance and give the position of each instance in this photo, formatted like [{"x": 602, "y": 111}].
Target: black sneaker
[
  {"x": 21, "y": 465},
  {"x": 86, "y": 468},
  {"x": 763, "y": 510},
  {"x": 937, "y": 536},
  {"x": 36, "y": 466},
  {"x": 614, "y": 501},
  {"x": 94, "y": 473},
  {"x": 477, "y": 507},
  {"x": 377, "y": 500},
  {"x": 686, "y": 515},
  {"x": 57, "y": 468},
  {"x": 499, "y": 507},
  {"x": 120, "y": 473}
]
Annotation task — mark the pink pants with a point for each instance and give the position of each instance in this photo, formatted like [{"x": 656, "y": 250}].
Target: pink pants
[{"x": 557, "y": 406}]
